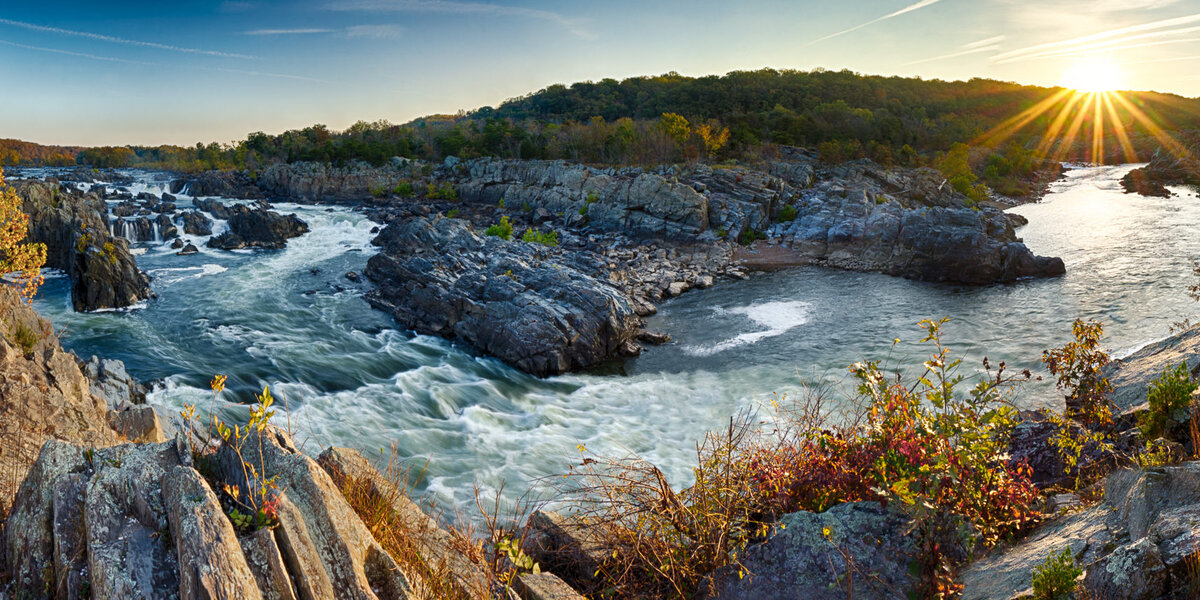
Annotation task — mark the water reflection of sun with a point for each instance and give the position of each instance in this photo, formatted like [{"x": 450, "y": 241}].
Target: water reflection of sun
[{"x": 1088, "y": 97}]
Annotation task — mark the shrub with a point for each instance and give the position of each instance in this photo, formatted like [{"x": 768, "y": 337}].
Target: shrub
[
  {"x": 500, "y": 204},
  {"x": 1078, "y": 367},
  {"x": 16, "y": 256},
  {"x": 377, "y": 191},
  {"x": 111, "y": 252},
  {"x": 444, "y": 191},
  {"x": 919, "y": 442},
  {"x": 403, "y": 189},
  {"x": 749, "y": 236},
  {"x": 502, "y": 230},
  {"x": 535, "y": 236},
  {"x": 787, "y": 213},
  {"x": 24, "y": 337},
  {"x": 452, "y": 213},
  {"x": 1169, "y": 396},
  {"x": 1054, "y": 579}
]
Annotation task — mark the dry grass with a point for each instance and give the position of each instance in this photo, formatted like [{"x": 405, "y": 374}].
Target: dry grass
[{"x": 441, "y": 564}]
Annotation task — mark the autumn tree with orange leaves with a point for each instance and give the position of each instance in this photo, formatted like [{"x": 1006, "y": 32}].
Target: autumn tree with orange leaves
[{"x": 23, "y": 261}]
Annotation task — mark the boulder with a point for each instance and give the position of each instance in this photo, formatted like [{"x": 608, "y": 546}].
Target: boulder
[
  {"x": 112, "y": 383},
  {"x": 262, "y": 228},
  {"x": 818, "y": 555},
  {"x": 195, "y": 223},
  {"x": 189, "y": 249},
  {"x": 138, "y": 521},
  {"x": 216, "y": 209},
  {"x": 510, "y": 299}
]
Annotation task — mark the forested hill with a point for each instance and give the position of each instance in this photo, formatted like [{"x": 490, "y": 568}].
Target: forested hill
[{"x": 1000, "y": 130}]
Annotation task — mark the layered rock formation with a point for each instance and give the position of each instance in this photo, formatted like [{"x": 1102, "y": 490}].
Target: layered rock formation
[
  {"x": 75, "y": 230},
  {"x": 515, "y": 301},
  {"x": 253, "y": 227},
  {"x": 227, "y": 184},
  {"x": 323, "y": 182},
  {"x": 1163, "y": 170}
]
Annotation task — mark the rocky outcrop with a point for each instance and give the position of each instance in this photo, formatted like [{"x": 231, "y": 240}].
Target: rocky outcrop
[
  {"x": 195, "y": 223},
  {"x": 855, "y": 546},
  {"x": 258, "y": 228},
  {"x": 541, "y": 313},
  {"x": 1130, "y": 376},
  {"x": 1139, "y": 543},
  {"x": 74, "y": 228},
  {"x": 43, "y": 395},
  {"x": 139, "y": 521},
  {"x": 1163, "y": 169},
  {"x": 859, "y": 216},
  {"x": 214, "y": 208},
  {"x": 111, "y": 383},
  {"x": 323, "y": 182},
  {"x": 226, "y": 184}
]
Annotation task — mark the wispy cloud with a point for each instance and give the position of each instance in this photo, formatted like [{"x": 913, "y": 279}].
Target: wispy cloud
[
  {"x": 905, "y": 10},
  {"x": 79, "y": 54},
  {"x": 574, "y": 26},
  {"x": 265, "y": 74},
  {"x": 1161, "y": 28},
  {"x": 286, "y": 31},
  {"x": 374, "y": 31},
  {"x": 991, "y": 44},
  {"x": 117, "y": 40}
]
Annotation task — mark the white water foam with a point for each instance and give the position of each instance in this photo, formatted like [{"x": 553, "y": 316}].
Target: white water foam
[
  {"x": 777, "y": 317},
  {"x": 162, "y": 277}
]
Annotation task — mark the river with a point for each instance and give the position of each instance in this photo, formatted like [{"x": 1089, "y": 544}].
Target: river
[{"x": 291, "y": 320}]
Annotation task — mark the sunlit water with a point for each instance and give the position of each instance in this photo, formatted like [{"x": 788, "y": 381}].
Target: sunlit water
[{"x": 289, "y": 319}]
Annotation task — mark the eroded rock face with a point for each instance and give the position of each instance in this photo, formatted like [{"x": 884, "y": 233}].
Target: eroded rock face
[
  {"x": 255, "y": 228},
  {"x": 75, "y": 230},
  {"x": 1137, "y": 544},
  {"x": 506, "y": 298},
  {"x": 227, "y": 184},
  {"x": 138, "y": 521},
  {"x": 800, "y": 561},
  {"x": 1163, "y": 170},
  {"x": 323, "y": 182}
]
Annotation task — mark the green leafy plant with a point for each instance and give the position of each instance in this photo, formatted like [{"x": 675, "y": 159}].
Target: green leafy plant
[
  {"x": 1079, "y": 368},
  {"x": 111, "y": 252},
  {"x": 377, "y": 191},
  {"x": 1170, "y": 397},
  {"x": 502, "y": 230},
  {"x": 1054, "y": 579},
  {"x": 535, "y": 236},
  {"x": 24, "y": 337},
  {"x": 526, "y": 207},
  {"x": 453, "y": 213},
  {"x": 403, "y": 189},
  {"x": 500, "y": 204},
  {"x": 445, "y": 191},
  {"x": 749, "y": 236},
  {"x": 787, "y": 213}
]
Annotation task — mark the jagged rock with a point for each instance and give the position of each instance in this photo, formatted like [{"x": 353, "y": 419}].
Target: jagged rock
[
  {"x": 505, "y": 298},
  {"x": 204, "y": 537},
  {"x": 565, "y": 544},
  {"x": 166, "y": 228},
  {"x": 177, "y": 244},
  {"x": 545, "y": 586},
  {"x": 43, "y": 395},
  {"x": 137, "y": 424},
  {"x": 1138, "y": 543},
  {"x": 216, "y": 209},
  {"x": 195, "y": 223},
  {"x": 323, "y": 182},
  {"x": 124, "y": 209},
  {"x": 148, "y": 525},
  {"x": 227, "y": 184},
  {"x": 111, "y": 382},
  {"x": 258, "y": 228},
  {"x": 1131, "y": 375},
  {"x": 1163, "y": 170},
  {"x": 188, "y": 249},
  {"x": 102, "y": 272},
  {"x": 799, "y": 561}
]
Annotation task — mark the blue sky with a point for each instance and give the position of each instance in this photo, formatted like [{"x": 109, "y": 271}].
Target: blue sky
[{"x": 93, "y": 73}]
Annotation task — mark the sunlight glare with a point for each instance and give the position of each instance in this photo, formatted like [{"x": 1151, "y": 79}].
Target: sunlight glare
[{"x": 1094, "y": 75}]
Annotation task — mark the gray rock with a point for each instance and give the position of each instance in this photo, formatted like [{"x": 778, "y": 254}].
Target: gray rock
[
  {"x": 195, "y": 223},
  {"x": 799, "y": 561},
  {"x": 545, "y": 586},
  {"x": 110, "y": 381},
  {"x": 507, "y": 298}
]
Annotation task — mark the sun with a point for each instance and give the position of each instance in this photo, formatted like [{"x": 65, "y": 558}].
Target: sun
[{"x": 1093, "y": 75}]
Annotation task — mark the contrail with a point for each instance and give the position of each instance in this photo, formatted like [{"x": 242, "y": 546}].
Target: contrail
[
  {"x": 907, "y": 9},
  {"x": 79, "y": 54},
  {"x": 1103, "y": 35},
  {"x": 117, "y": 40}
]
